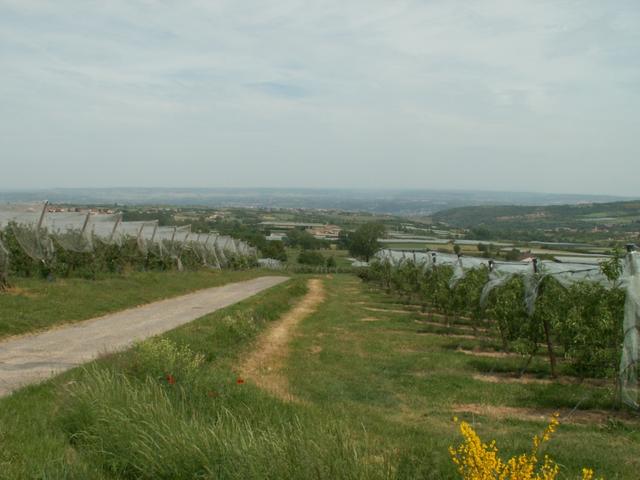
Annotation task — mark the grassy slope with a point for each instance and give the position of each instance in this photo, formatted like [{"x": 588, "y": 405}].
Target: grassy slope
[
  {"x": 372, "y": 387},
  {"x": 35, "y": 304},
  {"x": 509, "y": 216}
]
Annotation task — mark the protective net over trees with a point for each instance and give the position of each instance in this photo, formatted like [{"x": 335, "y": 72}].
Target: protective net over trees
[
  {"x": 629, "y": 371},
  {"x": 41, "y": 229},
  {"x": 621, "y": 275},
  {"x": 4, "y": 266}
]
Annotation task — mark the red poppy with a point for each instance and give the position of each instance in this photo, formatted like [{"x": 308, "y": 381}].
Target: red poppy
[
  {"x": 240, "y": 381},
  {"x": 171, "y": 380}
]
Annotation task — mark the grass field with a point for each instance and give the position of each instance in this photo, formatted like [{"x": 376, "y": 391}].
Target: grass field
[
  {"x": 341, "y": 257},
  {"x": 35, "y": 304},
  {"x": 444, "y": 247},
  {"x": 375, "y": 384}
]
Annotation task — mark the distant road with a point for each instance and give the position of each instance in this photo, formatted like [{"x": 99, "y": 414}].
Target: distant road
[{"x": 32, "y": 358}]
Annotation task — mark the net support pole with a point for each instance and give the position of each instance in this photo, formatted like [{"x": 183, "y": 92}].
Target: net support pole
[
  {"x": 153, "y": 235},
  {"x": 86, "y": 222},
  {"x": 39, "y": 226},
  {"x": 42, "y": 215},
  {"x": 115, "y": 227}
]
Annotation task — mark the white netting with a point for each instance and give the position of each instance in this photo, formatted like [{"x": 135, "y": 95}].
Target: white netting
[
  {"x": 23, "y": 213},
  {"x": 629, "y": 368},
  {"x": 25, "y": 221},
  {"x": 4, "y": 265},
  {"x": 137, "y": 231},
  {"x": 70, "y": 230},
  {"x": 203, "y": 245},
  {"x": 532, "y": 274},
  {"x": 170, "y": 240},
  {"x": 104, "y": 227},
  {"x": 36, "y": 226},
  {"x": 271, "y": 263}
]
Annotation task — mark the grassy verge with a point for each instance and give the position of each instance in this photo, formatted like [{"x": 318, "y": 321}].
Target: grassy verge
[{"x": 35, "y": 304}]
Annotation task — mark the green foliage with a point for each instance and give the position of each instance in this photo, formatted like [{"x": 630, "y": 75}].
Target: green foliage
[
  {"x": 465, "y": 297},
  {"x": 311, "y": 257},
  {"x": 585, "y": 320},
  {"x": 612, "y": 268},
  {"x": 363, "y": 243},
  {"x": 512, "y": 255},
  {"x": 274, "y": 249},
  {"x": 162, "y": 359},
  {"x": 590, "y": 328},
  {"x": 298, "y": 238},
  {"x": 506, "y": 307}
]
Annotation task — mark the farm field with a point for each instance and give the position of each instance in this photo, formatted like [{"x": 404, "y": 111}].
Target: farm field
[
  {"x": 340, "y": 256},
  {"x": 367, "y": 388},
  {"x": 444, "y": 247},
  {"x": 34, "y": 304}
]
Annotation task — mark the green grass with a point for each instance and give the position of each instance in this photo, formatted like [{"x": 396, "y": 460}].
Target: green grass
[
  {"x": 376, "y": 400},
  {"x": 35, "y": 304},
  {"x": 341, "y": 256},
  {"x": 400, "y": 385}
]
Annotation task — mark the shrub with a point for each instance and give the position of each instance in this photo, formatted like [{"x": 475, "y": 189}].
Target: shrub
[
  {"x": 311, "y": 257},
  {"x": 163, "y": 359},
  {"x": 480, "y": 461}
]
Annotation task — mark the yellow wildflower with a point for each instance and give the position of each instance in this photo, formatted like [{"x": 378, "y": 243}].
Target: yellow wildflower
[{"x": 480, "y": 461}]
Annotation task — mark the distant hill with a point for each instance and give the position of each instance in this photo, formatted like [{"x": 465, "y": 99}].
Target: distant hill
[
  {"x": 395, "y": 202},
  {"x": 583, "y": 216}
]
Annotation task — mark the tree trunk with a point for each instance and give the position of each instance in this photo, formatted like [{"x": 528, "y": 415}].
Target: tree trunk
[
  {"x": 4, "y": 282},
  {"x": 552, "y": 355}
]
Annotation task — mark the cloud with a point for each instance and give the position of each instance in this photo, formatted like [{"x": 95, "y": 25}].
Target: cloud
[
  {"x": 363, "y": 93},
  {"x": 279, "y": 89}
]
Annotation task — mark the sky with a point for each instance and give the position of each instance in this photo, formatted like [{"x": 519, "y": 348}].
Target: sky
[{"x": 490, "y": 95}]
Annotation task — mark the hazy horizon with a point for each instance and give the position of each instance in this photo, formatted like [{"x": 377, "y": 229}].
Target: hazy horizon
[{"x": 492, "y": 96}]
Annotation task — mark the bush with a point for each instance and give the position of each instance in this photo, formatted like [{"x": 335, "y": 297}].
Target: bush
[
  {"x": 311, "y": 257},
  {"x": 162, "y": 359},
  {"x": 476, "y": 460}
]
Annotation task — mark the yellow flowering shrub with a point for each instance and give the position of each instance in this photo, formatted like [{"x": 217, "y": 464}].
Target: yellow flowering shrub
[{"x": 476, "y": 460}]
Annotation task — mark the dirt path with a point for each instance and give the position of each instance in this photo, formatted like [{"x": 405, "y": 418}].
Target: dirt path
[
  {"x": 31, "y": 358},
  {"x": 264, "y": 364},
  {"x": 588, "y": 417}
]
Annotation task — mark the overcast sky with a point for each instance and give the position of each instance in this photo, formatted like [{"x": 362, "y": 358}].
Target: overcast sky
[{"x": 495, "y": 95}]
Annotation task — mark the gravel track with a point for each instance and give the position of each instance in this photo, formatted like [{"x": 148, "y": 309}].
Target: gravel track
[{"x": 32, "y": 358}]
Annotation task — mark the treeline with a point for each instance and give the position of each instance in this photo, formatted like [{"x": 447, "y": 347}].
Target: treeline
[{"x": 550, "y": 223}]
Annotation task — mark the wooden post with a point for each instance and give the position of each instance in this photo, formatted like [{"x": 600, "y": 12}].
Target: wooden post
[
  {"x": 39, "y": 226},
  {"x": 86, "y": 222},
  {"x": 115, "y": 227},
  {"x": 155, "y": 229},
  {"x": 547, "y": 330}
]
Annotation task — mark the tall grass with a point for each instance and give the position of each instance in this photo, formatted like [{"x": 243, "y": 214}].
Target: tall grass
[{"x": 145, "y": 428}]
